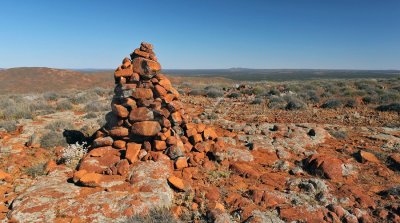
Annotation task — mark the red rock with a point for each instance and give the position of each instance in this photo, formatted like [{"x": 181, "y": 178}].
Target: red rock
[
  {"x": 196, "y": 138},
  {"x": 213, "y": 194},
  {"x": 331, "y": 167},
  {"x": 5, "y": 176},
  {"x": 209, "y": 133},
  {"x": 245, "y": 170},
  {"x": 191, "y": 132},
  {"x": 165, "y": 83},
  {"x": 367, "y": 157},
  {"x": 103, "y": 141},
  {"x": 98, "y": 164},
  {"x": 119, "y": 132},
  {"x": 168, "y": 98},
  {"x": 171, "y": 140},
  {"x": 78, "y": 175},
  {"x": 160, "y": 90},
  {"x": 141, "y": 114},
  {"x": 142, "y": 93},
  {"x": 181, "y": 163},
  {"x": 129, "y": 102},
  {"x": 146, "y": 46},
  {"x": 119, "y": 144},
  {"x": 91, "y": 179},
  {"x": 141, "y": 53},
  {"x": 120, "y": 111},
  {"x": 102, "y": 151},
  {"x": 176, "y": 118},
  {"x": 177, "y": 182},
  {"x": 200, "y": 127},
  {"x": 159, "y": 145},
  {"x": 123, "y": 73},
  {"x": 123, "y": 167},
  {"x": 146, "y": 128},
  {"x": 132, "y": 151},
  {"x": 3, "y": 208}
]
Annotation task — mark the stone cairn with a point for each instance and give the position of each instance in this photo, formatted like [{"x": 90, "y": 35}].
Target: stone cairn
[{"x": 147, "y": 122}]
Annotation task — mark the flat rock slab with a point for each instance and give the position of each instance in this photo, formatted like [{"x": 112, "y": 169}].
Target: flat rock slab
[{"x": 53, "y": 198}]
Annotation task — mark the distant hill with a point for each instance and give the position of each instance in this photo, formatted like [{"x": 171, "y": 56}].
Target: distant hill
[
  {"x": 282, "y": 74},
  {"x": 43, "y": 79}
]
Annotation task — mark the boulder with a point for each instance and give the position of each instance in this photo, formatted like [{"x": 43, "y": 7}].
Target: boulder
[{"x": 146, "y": 128}]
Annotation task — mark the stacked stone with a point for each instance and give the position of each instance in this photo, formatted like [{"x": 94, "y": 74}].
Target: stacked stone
[{"x": 147, "y": 122}]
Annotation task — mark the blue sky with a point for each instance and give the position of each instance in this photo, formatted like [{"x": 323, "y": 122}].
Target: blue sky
[{"x": 331, "y": 34}]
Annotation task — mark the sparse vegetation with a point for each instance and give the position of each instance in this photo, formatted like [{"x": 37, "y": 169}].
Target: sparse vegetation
[
  {"x": 36, "y": 170},
  {"x": 52, "y": 139},
  {"x": 155, "y": 216}
]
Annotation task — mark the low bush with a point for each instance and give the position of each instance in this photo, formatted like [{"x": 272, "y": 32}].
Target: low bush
[
  {"x": 234, "y": 95},
  {"x": 96, "y": 107},
  {"x": 332, "y": 103},
  {"x": 295, "y": 104},
  {"x": 257, "y": 101},
  {"x": 390, "y": 107},
  {"x": 197, "y": 92},
  {"x": 59, "y": 125},
  {"x": 155, "y": 216},
  {"x": 52, "y": 139},
  {"x": 50, "y": 96},
  {"x": 350, "y": 103},
  {"x": 9, "y": 126},
  {"x": 36, "y": 170},
  {"x": 214, "y": 93},
  {"x": 64, "y": 105}
]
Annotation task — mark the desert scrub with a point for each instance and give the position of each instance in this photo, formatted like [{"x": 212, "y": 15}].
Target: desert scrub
[
  {"x": 276, "y": 102},
  {"x": 91, "y": 115},
  {"x": 59, "y": 125},
  {"x": 50, "y": 96},
  {"x": 294, "y": 104},
  {"x": 214, "y": 93},
  {"x": 197, "y": 92},
  {"x": 234, "y": 95},
  {"x": 36, "y": 170},
  {"x": 332, "y": 103},
  {"x": 64, "y": 105},
  {"x": 390, "y": 107},
  {"x": 9, "y": 126},
  {"x": 350, "y": 103},
  {"x": 257, "y": 101},
  {"x": 96, "y": 107},
  {"x": 155, "y": 215},
  {"x": 52, "y": 139},
  {"x": 71, "y": 154},
  {"x": 16, "y": 111}
]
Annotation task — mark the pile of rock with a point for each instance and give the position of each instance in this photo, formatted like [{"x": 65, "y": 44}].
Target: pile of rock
[{"x": 147, "y": 122}]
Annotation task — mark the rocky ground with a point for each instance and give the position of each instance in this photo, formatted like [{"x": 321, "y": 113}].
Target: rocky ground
[{"x": 313, "y": 165}]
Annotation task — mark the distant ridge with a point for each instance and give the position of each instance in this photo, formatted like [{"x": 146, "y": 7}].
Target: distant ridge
[
  {"x": 43, "y": 79},
  {"x": 247, "y": 74}
]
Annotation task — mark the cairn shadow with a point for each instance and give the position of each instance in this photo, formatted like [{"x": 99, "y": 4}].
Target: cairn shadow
[{"x": 75, "y": 136}]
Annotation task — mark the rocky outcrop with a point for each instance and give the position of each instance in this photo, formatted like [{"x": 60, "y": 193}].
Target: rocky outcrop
[{"x": 52, "y": 198}]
